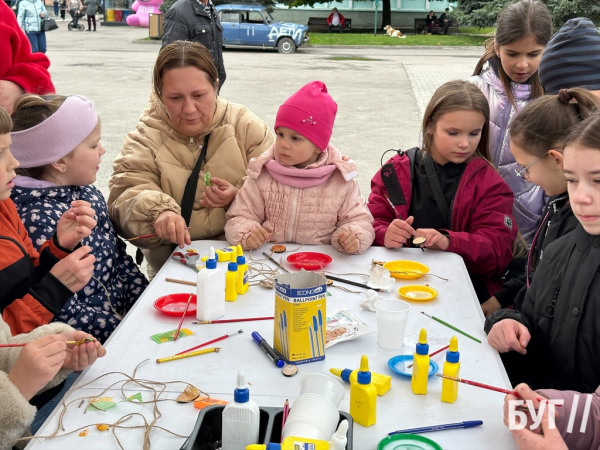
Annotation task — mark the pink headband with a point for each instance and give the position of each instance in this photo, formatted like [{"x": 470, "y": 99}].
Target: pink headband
[{"x": 56, "y": 136}]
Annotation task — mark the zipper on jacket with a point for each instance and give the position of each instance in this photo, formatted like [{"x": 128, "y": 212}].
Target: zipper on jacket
[
  {"x": 552, "y": 307},
  {"x": 292, "y": 224},
  {"x": 553, "y": 206}
]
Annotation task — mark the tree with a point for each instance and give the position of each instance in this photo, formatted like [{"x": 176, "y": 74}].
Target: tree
[{"x": 484, "y": 13}]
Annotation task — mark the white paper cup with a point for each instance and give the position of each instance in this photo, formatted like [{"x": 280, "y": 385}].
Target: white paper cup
[
  {"x": 312, "y": 416},
  {"x": 326, "y": 386},
  {"x": 391, "y": 323}
]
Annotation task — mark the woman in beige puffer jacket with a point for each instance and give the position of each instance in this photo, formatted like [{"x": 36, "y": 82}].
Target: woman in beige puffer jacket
[{"x": 157, "y": 158}]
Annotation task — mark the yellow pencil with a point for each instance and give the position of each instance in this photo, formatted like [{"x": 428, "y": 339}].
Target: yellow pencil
[{"x": 188, "y": 354}]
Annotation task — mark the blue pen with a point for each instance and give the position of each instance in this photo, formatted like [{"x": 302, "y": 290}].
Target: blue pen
[
  {"x": 448, "y": 426},
  {"x": 273, "y": 356}
]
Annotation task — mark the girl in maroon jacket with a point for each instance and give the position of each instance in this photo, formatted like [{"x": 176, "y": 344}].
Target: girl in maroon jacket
[{"x": 448, "y": 192}]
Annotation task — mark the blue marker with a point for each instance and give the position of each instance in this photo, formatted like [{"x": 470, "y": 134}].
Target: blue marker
[
  {"x": 273, "y": 356},
  {"x": 448, "y": 426}
]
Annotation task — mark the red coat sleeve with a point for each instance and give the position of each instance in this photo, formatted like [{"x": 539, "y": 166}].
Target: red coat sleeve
[
  {"x": 17, "y": 63},
  {"x": 489, "y": 229},
  {"x": 379, "y": 206},
  {"x": 329, "y": 19}
]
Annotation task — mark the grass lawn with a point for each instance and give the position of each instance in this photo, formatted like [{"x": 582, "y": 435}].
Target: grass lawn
[
  {"x": 475, "y": 30},
  {"x": 382, "y": 39}
]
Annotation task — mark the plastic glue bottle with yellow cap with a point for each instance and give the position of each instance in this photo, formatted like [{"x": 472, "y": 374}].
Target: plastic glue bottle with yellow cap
[
  {"x": 382, "y": 383},
  {"x": 420, "y": 372},
  {"x": 363, "y": 396},
  {"x": 451, "y": 369}
]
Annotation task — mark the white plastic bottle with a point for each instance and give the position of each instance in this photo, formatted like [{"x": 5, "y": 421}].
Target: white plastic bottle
[
  {"x": 210, "y": 287},
  {"x": 339, "y": 440},
  {"x": 241, "y": 419}
]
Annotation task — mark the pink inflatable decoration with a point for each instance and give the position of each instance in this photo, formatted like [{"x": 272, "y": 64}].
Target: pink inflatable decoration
[{"x": 142, "y": 8}]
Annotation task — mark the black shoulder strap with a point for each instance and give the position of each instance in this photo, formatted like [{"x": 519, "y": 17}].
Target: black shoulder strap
[
  {"x": 436, "y": 188},
  {"x": 189, "y": 194}
]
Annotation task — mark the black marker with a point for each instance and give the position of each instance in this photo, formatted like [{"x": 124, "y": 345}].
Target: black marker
[{"x": 273, "y": 356}]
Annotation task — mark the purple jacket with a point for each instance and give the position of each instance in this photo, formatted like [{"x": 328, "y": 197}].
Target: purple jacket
[
  {"x": 529, "y": 198},
  {"x": 575, "y": 439}
]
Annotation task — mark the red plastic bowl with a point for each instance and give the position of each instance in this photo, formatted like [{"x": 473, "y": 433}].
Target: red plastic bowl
[
  {"x": 174, "y": 304},
  {"x": 309, "y": 260}
]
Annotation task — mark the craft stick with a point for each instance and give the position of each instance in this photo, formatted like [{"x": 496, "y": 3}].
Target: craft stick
[
  {"x": 175, "y": 280},
  {"x": 353, "y": 283},
  {"x": 278, "y": 265},
  {"x": 452, "y": 327},
  {"x": 145, "y": 236},
  {"x": 188, "y": 355},
  {"x": 484, "y": 386},
  {"x": 432, "y": 354},
  {"x": 183, "y": 317},
  {"x": 220, "y": 338},
  {"x": 249, "y": 319},
  {"x": 23, "y": 344}
]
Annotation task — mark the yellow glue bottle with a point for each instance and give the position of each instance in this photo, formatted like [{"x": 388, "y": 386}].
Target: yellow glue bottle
[
  {"x": 363, "y": 396},
  {"x": 451, "y": 368},
  {"x": 420, "y": 372},
  {"x": 230, "y": 279},
  {"x": 241, "y": 282},
  {"x": 382, "y": 383}
]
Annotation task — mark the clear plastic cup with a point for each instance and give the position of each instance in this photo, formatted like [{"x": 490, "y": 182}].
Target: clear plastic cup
[
  {"x": 391, "y": 323},
  {"x": 326, "y": 386},
  {"x": 313, "y": 416}
]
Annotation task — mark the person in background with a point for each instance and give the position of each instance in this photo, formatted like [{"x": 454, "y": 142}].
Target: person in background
[
  {"x": 30, "y": 16},
  {"x": 20, "y": 70},
  {"x": 196, "y": 21},
  {"x": 431, "y": 22},
  {"x": 74, "y": 6},
  {"x": 572, "y": 58},
  {"x": 56, "y": 5},
  {"x": 90, "y": 10},
  {"x": 63, "y": 9},
  {"x": 445, "y": 21},
  {"x": 335, "y": 20},
  {"x": 507, "y": 76}
]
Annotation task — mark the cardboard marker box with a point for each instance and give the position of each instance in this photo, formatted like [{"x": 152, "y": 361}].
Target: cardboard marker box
[{"x": 300, "y": 318}]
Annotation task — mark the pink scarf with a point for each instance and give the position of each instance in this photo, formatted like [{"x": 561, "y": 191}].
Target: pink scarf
[{"x": 299, "y": 178}]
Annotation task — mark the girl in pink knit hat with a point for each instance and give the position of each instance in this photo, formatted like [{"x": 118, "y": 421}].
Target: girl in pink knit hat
[{"x": 302, "y": 189}]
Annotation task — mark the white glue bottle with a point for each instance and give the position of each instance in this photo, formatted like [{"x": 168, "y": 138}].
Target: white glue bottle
[
  {"x": 210, "y": 287},
  {"x": 241, "y": 419}
]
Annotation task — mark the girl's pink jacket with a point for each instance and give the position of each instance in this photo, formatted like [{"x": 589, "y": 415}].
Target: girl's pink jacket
[{"x": 313, "y": 215}]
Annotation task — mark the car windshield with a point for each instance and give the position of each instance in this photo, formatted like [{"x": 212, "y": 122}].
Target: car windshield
[{"x": 268, "y": 16}]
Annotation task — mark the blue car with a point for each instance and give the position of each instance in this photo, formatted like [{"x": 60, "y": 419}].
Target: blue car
[{"x": 253, "y": 25}]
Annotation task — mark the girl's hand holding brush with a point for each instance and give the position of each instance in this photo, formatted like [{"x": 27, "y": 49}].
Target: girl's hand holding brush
[
  {"x": 75, "y": 224},
  {"x": 399, "y": 233},
  {"x": 171, "y": 226},
  {"x": 81, "y": 356}
]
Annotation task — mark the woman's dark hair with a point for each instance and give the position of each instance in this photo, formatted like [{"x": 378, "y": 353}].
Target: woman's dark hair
[
  {"x": 182, "y": 54},
  {"x": 518, "y": 21},
  {"x": 544, "y": 124}
]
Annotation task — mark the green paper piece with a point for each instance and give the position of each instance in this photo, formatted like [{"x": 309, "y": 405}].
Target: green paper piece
[
  {"x": 135, "y": 397},
  {"x": 101, "y": 405},
  {"x": 169, "y": 336},
  {"x": 328, "y": 294},
  {"x": 207, "y": 179}
]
